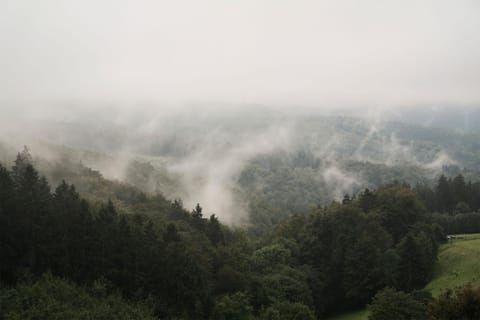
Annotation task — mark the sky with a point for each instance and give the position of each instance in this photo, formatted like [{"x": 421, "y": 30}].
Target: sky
[{"x": 274, "y": 52}]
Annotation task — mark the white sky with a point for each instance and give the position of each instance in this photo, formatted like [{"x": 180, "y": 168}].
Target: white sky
[{"x": 375, "y": 52}]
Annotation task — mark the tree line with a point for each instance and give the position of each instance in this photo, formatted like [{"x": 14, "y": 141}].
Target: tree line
[
  {"x": 454, "y": 204},
  {"x": 163, "y": 261},
  {"x": 451, "y": 195},
  {"x": 452, "y": 304}
]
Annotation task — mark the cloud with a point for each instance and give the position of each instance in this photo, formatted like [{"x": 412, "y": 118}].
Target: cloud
[
  {"x": 209, "y": 175},
  {"x": 442, "y": 159},
  {"x": 339, "y": 182},
  {"x": 288, "y": 53}
]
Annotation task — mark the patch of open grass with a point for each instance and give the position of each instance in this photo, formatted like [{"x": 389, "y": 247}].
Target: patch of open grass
[
  {"x": 458, "y": 264},
  {"x": 356, "y": 315}
]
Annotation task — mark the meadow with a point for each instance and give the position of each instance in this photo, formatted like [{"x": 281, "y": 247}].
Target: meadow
[{"x": 458, "y": 264}]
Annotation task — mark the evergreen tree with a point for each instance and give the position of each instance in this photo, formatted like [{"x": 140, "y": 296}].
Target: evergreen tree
[
  {"x": 459, "y": 190},
  {"x": 214, "y": 231},
  {"x": 416, "y": 258},
  {"x": 445, "y": 200},
  {"x": 9, "y": 228}
]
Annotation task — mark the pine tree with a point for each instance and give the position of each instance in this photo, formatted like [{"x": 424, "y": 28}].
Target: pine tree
[
  {"x": 8, "y": 227},
  {"x": 444, "y": 195},
  {"x": 214, "y": 230}
]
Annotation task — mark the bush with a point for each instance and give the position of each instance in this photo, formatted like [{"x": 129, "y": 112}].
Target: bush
[
  {"x": 288, "y": 311},
  {"x": 54, "y": 298},
  {"x": 462, "y": 303},
  {"x": 390, "y": 304}
]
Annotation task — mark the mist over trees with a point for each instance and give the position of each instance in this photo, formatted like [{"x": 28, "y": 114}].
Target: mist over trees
[
  {"x": 158, "y": 259},
  {"x": 238, "y": 160},
  {"x": 304, "y": 221},
  {"x": 236, "y": 164},
  {"x": 306, "y": 227}
]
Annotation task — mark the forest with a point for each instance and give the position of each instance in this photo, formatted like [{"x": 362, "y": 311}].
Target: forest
[
  {"x": 141, "y": 256},
  {"x": 239, "y": 160}
]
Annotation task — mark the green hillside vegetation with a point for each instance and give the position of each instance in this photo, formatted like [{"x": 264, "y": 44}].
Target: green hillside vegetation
[
  {"x": 357, "y": 315},
  {"x": 182, "y": 264},
  {"x": 51, "y": 295},
  {"x": 458, "y": 264},
  {"x": 192, "y": 267},
  {"x": 327, "y": 157}
]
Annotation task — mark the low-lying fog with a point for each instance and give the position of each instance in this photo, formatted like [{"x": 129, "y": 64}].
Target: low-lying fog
[
  {"x": 205, "y": 153},
  {"x": 201, "y": 89}
]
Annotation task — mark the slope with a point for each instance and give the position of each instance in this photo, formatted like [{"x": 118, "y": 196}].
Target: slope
[{"x": 458, "y": 264}]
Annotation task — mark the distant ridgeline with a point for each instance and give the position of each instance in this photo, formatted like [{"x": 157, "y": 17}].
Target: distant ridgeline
[
  {"x": 154, "y": 259},
  {"x": 251, "y": 171}
]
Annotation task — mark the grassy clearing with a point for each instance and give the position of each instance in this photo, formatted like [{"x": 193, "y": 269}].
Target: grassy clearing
[
  {"x": 357, "y": 315},
  {"x": 458, "y": 264}
]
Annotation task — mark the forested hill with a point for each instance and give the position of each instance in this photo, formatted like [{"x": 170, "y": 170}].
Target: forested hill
[
  {"x": 256, "y": 171},
  {"x": 305, "y": 227},
  {"x": 156, "y": 259},
  {"x": 237, "y": 160}
]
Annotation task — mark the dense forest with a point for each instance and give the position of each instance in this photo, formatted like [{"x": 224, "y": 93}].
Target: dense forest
[
  {"x": 239, "y": 160},
  {"x": 142, "y": 256}
]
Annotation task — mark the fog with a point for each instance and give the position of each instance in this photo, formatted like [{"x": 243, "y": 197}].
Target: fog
[
  {"x": 200, "y": 89},
  {"x": 200, "y": 156},
  {"x": 282, "y": 53}
]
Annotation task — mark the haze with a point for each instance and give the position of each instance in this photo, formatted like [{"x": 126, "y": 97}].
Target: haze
[
  {"x": 202, "y": 89},
  {"x": 282, "y": 53}
]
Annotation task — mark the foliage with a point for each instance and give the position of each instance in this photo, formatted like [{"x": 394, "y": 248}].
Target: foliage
[
  {"x": 54, "y": 298},
  {"x": 233, "y": 307},
  {"x": 62, "y": 233},
  {"x": 451, "y": 195},
  {"x": 287, "y": 311},
  {"x": 357, "y": 248},
  {"x": 188, "y": 266},
  {"x": 461, "y": 303},
  {"x": 457, "y": 264},
  {"x": 391, "y": 304}
]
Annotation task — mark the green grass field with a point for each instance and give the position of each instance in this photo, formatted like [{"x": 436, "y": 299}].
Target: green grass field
[
  {"x": 458, "y": 264},
  {"x": 357, "y": 315}
]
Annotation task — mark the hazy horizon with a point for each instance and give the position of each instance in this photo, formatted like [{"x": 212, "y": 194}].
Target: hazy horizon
[
  {"x": 288, "y": 54},
  {"x": 210, "y": 86},
  {"x": 254, "y": 159}
]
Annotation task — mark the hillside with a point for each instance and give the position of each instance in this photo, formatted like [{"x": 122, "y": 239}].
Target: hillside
[
  {"x": 256, "y": 171},
  {"x": 458, "y": 264},
  {"x": 240, "y": 160},
  {"x": 198, "y": 268}
]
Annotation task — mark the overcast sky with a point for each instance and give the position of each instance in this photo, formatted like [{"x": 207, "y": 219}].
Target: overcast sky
[{"x": 270, "y": 52}]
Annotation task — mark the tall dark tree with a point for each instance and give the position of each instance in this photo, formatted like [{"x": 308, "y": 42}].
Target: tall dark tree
[
  {"x": 445, "y": 200},
  {"x": 416, "y": 258},
  {"x": 9, "y": 228},
  {"x": 400, "y": 208},
  {"x": 459, "y": 191},
  {"x": 197, "y": 218},
  {"x": 367, "y": 200},
  {"x": 214, "y": 231}
]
